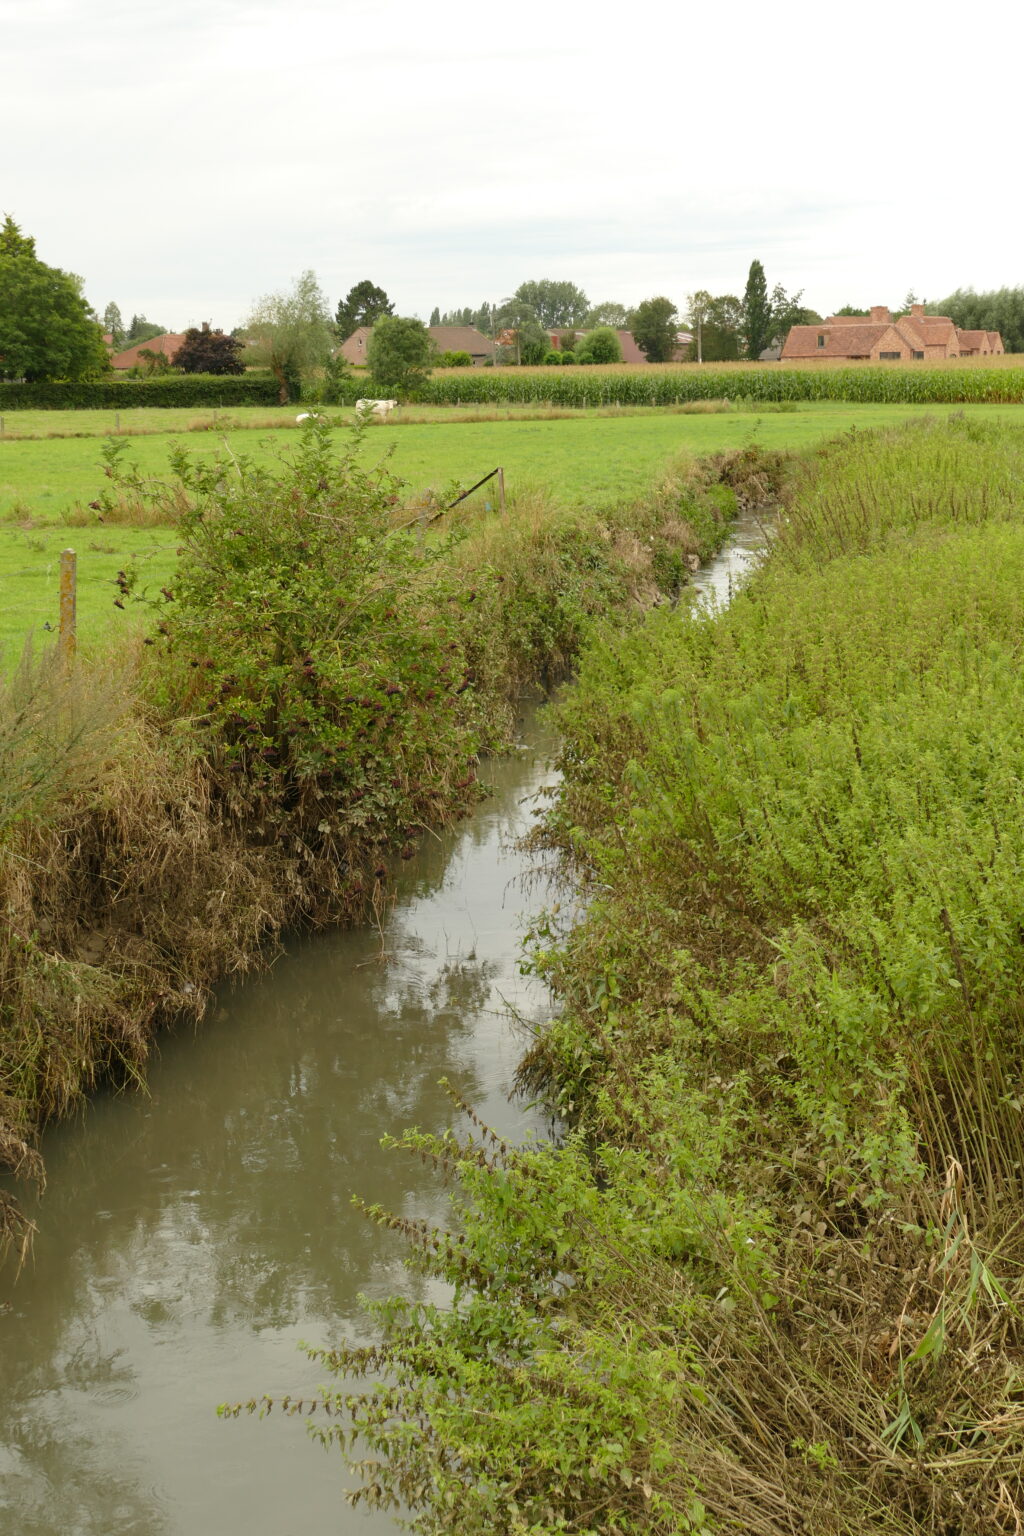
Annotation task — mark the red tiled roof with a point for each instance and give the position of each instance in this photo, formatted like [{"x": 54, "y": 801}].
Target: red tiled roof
[
  {"x": 461, "y": 338},
  {"x": 845, "y": 341},
  {"x": 167, "y": 345},
  {"x": 631, "y": 353}
]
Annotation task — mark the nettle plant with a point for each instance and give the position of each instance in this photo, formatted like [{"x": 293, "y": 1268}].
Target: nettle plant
[{"x": 318, "y": 644}]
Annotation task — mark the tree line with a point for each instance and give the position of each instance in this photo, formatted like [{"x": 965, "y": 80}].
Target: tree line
[{"x": 48, "y": 330}]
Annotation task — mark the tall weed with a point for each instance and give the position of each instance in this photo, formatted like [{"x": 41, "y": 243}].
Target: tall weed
[{"x": 774, "y": 1278}]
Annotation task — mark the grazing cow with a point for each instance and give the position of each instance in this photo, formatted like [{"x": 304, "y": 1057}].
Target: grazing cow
[
  {"x": 307, "y": 416},
  {"x": 377, "y": 410}
]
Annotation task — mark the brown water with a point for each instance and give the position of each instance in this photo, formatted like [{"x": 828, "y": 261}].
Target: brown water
[{"x": 191, "y": 1237}]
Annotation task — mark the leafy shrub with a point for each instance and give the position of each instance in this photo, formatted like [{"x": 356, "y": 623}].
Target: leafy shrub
[
  {"x": 568, "y": 357},
  {"x": 453, "y": 360},
  {"x": 600, "y": 346},
  {"x": 553, "y": 359},
  {"x": 317, "y": 641}
]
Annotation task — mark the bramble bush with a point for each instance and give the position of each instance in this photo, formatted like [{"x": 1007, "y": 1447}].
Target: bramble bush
[{"x": 317, "y": 647}]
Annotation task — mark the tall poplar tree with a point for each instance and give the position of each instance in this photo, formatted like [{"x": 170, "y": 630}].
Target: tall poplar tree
[{"x": 757, "y": 312}]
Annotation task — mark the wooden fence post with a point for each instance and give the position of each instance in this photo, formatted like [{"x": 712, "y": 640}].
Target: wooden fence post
[
  {"x": 67, "y": 638},
  {"x": 501, "y": 491}
]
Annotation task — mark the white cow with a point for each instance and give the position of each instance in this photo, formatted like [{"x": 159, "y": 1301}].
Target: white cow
[
  {"x": 308, "y": 416},
  {"x": 376, "y": 410}
]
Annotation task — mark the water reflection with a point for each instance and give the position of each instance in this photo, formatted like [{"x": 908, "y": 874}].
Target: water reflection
[
  {"x": 191, "y": 1238},
  {"x": 716, "y": 582}
]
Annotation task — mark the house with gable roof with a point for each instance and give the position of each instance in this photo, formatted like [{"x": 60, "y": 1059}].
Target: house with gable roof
[
  {"x": 877, "y": 337},
  {"x": 446, "y": 338}
]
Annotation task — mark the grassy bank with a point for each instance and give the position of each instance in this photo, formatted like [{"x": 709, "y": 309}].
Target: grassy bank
[
  {"x": 311, "y": 696},
  {"x": 582, "y": 460},
  {"x": 773, "y": 1280}
]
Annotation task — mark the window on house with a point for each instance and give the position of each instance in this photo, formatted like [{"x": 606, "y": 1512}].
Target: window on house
[
  {"x": 919, "y": 355},
  {"x": 821, "y": 341},
  {"x": 895, "y": 355}
]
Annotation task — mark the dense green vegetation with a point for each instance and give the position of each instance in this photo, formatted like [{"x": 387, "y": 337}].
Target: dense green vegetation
[
  {"x": 649, "y": 386},
  {"x": 46, "y": 327},
  {"x": 576, "y": 390},
  {"x": 314, "y": 685},
  {"x": 595, "y": 461},
  {"x": 120, "y": 393},
  {"x": 999, "y": 309},
  {"x": 772, "y": 1277}
]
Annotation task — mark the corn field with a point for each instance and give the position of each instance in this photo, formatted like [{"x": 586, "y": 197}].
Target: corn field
[{"x": 591, "y": 387}]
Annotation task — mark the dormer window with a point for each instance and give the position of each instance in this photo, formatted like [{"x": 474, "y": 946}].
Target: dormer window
[{"x": 821, "y": 339}]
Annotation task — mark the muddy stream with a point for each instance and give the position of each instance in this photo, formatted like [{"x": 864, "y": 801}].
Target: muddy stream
[{"x": 191, "y": 1236}]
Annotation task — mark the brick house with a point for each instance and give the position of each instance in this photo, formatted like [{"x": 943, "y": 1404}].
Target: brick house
[
  {"x": 463, "y": 338},
  {"x": 446, "y": 338},
  {"x": 877, "y": 337},
  {"x": 561, "y": 341}
]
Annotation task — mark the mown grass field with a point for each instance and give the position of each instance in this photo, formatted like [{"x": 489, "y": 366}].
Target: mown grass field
[{"x": 579, "y": 457}]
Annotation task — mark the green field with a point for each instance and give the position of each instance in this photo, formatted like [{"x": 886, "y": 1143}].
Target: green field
[
  {"x": 29, "y": 578},
  {"x": 590, "y": 457}
]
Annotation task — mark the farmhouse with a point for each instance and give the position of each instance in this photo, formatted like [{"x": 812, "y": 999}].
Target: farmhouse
[
  {"x": 564, "y": 340},
  {"x": 446, "y": 338},
  {"x": 877, "y": 337}
]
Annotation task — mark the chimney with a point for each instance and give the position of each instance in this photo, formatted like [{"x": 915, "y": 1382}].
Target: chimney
[
  {"x": 917, "y": 311},
  {"x": 880, "y": 315}
]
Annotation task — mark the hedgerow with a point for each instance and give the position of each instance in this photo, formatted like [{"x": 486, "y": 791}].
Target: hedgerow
[{"x": 121, "y": 394}]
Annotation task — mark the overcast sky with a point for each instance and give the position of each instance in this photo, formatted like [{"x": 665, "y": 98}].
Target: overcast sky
[{"x": 187, "y": 157}]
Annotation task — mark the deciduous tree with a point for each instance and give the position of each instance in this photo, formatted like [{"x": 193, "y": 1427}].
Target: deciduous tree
[
  {"x": 608, "y": 313},
  {"x": 47, "y": 329},
  {"x": 292, "y": 332},
  {"x": 555, "y": 305},
  {"x": 400, "y": 355},
  {"x": 207, "y": 351},
  {"x": 654, "y": 325},
  {"x": 787, "y": 311},
  {"x": 530, "y": 341},
  {"x": 998, "y": 309}
]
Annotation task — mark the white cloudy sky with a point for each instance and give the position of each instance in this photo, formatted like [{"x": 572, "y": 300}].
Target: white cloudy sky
[{"x": 186, "y": 156}]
